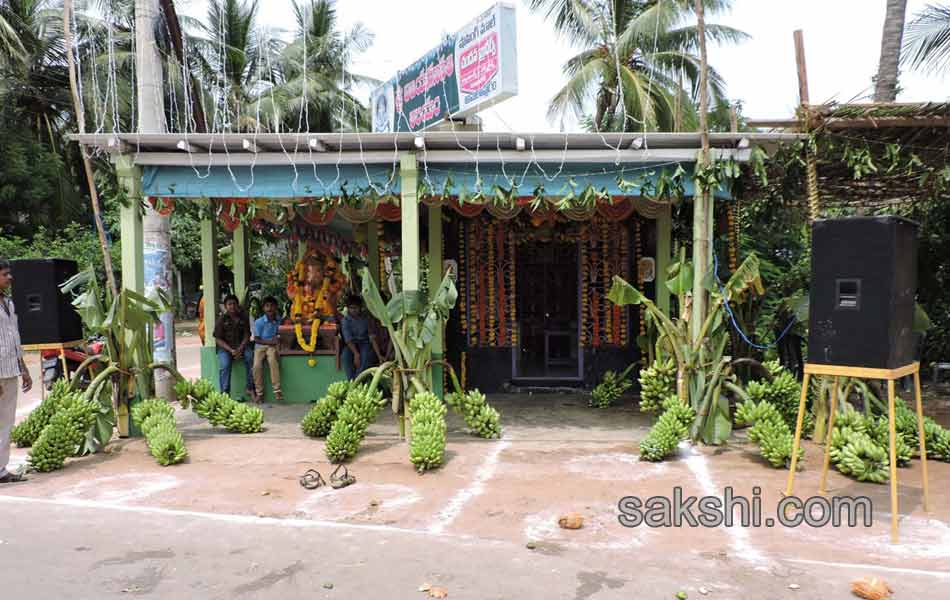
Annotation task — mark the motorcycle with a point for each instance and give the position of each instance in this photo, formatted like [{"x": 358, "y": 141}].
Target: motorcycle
[{"x": 52, "y": 361}]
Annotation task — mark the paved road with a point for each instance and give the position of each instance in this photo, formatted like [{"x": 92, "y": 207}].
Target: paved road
[{"x": 66, "y": 550}]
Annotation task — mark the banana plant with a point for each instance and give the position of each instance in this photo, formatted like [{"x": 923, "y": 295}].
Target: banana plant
[
  {"x": 126, "y": 325},
  {"x": 413, "y": 322},
  {"x": 702, "y": 367}
]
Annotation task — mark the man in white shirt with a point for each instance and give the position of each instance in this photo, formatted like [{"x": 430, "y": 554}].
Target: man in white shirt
[{"x": 12, "y": 367}]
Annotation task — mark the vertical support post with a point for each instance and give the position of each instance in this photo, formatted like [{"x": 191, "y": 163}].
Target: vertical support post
[
  {"x": 435, "y": 279},
  {"x": 130, "y": 226},
  {"x": 240, "y": 249},
  {"x": 923, "y": 438},
  {"x": 664, "y": 242},
  {"x": 409, "y": 225},
  {"x": 702, "y": 198},
  {"x": 209, "y": 277},
  {"x": 372, "y": 243},
  {"x": 892, "y": 454},
  {"x": 796, "y": 444},
  {"x": 831, "y": 427}
]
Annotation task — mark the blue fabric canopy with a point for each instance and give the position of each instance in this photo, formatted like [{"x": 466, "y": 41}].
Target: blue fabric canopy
[{"x": 284, "y": 181}]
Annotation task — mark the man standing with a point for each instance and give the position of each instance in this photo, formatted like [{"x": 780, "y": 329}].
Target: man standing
[
  {"x": 232, "y": 334},
  {"x": 11, "y": 367},
  {"x": 266, "y": 329}
]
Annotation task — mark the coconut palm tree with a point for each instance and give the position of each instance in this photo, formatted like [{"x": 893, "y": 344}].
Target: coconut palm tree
[
  {"x": 316, "y": 88},
  {"x": 885, "y": 84},
  {"x": 638, "y": 62},
  {"x": 927, "y": 40}
]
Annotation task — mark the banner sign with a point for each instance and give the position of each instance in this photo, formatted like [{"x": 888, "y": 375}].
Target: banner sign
[{"x": 472, "y": 69}]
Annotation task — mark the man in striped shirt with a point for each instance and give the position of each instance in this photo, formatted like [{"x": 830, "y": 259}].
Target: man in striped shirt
[{"x": 12, "y": 367}]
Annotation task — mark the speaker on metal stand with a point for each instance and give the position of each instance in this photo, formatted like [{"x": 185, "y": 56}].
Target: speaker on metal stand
[{"x": 45, "y": 314}]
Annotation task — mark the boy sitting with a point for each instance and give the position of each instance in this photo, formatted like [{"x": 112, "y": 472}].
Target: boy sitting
[
  {"x": 265, "y": 340},
  {"x": 361, "y": 350},
  {"x": 232, "y": 333}
]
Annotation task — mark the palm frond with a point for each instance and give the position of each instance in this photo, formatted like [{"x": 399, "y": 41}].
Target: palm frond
[{"x": 927, "y": 40}]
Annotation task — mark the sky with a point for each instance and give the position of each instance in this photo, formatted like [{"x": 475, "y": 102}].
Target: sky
[{"x": 842, "y": 47}]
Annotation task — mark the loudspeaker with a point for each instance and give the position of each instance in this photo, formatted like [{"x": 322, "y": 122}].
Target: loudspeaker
[
  {"x": 863, "y": 282},
  {"x": 45, "y": 314}
]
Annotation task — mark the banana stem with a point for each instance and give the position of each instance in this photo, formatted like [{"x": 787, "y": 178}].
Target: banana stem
[{"x": 82, "y": 369}]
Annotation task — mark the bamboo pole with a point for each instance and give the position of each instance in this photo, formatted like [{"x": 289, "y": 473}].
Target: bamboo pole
[
  {"x": 87, "y": 164},
  {"x": 811, "y": 161},
  {"x": 701, "y": 197}
]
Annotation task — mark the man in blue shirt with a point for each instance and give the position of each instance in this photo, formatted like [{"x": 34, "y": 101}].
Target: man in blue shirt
[
  {"x": 265, "y": 347},
  {"x": 360, "y": 351}
]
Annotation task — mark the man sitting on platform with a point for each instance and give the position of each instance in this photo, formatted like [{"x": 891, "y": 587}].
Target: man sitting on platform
[
  {"x": 360, "y": 351},
  {"x": 232, "y": 333},
  {"x": 265, "y": 347}
]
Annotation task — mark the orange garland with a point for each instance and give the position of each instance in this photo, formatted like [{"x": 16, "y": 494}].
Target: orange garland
[
  {"x": 500, "y": 274},
  {"x": 511, "y": 288},
  {"x": 490, "y": 276}
]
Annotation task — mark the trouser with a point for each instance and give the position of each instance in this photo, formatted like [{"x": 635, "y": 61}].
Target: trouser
[
  {"x": 9, "y": 387},
  {"x": 269, "y": 353},
  {"x": 367, "y": 359},
  {"x": 224, "y": 369}
]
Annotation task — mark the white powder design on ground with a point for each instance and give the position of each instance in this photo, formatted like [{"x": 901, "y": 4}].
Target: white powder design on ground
[
  {"x": 738, "y": 536},
  {"x": 615, "y": 466},
  {"x": 485, "y": 472},
  {"x": 119, "y": 489},
  {"x": 328, "y": 503}
]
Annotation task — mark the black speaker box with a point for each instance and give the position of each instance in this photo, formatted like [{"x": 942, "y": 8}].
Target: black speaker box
[
  {"x": 863, "y": 282},
  {"x": 45, "y": 314}
]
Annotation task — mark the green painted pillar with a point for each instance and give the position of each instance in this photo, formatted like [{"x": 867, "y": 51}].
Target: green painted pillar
[
  {"x": 408, "y": 170},
  {"x": 372, "y": 243},
  {"x": 664, "y": 240},
  {"x": 209, "y": 277},
  {"x": 130, "y": 225},
  {"x": 409, "y": 226},
  {"x": 240, "y": 248},
  {"x": 435, "y": 279}
]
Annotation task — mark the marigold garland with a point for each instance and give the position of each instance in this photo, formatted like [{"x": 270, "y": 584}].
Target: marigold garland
[
  {"x": 490, "y": 276},
  {"x": 605, "y": 260},
  {"x": 502, "y": 299},
  {"x": 512, "y": 296},
  {"x": 462, "y": 277},
  {"x": 733, "y": 238},
  {"x": 638, "y": 242}
]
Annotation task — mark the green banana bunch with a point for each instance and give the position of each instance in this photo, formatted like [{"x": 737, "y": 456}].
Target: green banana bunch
[
  {"x": 64, "y": 433},
  {"x": 201, "y": 389},
  {"x": 245, "y": 419},
  {"x": 359, "y": 409},
  {"x": 28, "y": 431},
  {"x": 609, "y": 390},
  {"x": 183, "y": 388},
  {"x": 656, "y": 383},
  {"x": 671, "y": 428},
  {"x": 941, "y": 445},
  {"x": 320, "y": 418},
  {"x": 147, "y": 408},
  {"x": 878, "y": 431},
  {"x": 480, "y": 417},
  {"x": 775, "y": 442},
  {"x": 427, "y": 442},
  {"x": 864, "y": 460},
  {"x": 222, "y": 411},
  {"x": 166, "y": 444}
]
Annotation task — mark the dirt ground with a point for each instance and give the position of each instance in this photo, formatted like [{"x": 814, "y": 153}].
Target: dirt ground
[{"x": 488, "y": 518}]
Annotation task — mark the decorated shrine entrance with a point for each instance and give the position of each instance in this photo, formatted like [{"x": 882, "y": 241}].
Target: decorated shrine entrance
[
  {"x": 548, "y": 313},
  {"x": 536, "y": 224}
]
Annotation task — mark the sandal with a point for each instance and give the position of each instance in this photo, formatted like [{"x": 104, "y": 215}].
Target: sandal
[
  {"x": 312, "y": 479},
  {"x": 11, "y": 477},
  {"x": 341, "y": 481}
]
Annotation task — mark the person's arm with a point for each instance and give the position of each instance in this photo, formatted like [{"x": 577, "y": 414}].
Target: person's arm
[
  {"x": 347, "y": 329},
  {"x": 25, "y": 373},
  {"x": 219, "y": 337}
]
